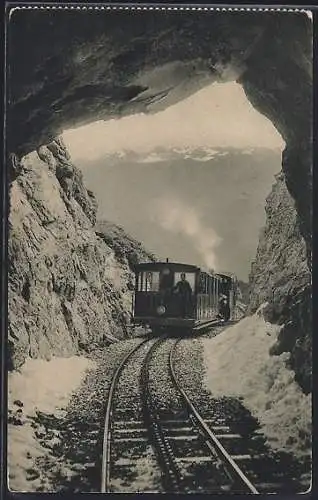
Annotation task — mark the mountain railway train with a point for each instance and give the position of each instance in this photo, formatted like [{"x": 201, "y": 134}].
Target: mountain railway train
[{"x": 181, "y": 297}]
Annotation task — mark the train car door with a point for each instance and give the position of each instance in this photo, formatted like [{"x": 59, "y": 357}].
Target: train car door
[
  {"x": 165, "y": 279},
  {"x": 184, "y": 293}
]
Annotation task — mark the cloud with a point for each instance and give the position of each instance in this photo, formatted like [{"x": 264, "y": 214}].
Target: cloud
[{"x": 176, "y": 216}]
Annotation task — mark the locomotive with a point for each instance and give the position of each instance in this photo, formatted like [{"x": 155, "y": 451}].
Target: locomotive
[{"x": 181, "y": 297}]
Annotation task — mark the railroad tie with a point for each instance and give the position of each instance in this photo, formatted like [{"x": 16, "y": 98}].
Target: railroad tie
[
  {"x": 128, "y": 433},
  {"x": 217, "y": 428},
  {"x": 124, "y": 423},
  {"x": 131, "y": 439},
  {"x": 195, "y": 459},
  {"x": 184, "y": 437},
  {"x": 273, "y": 487},
  {"x": 241, "y": 457},
  {"x": 228, "y": 436}
]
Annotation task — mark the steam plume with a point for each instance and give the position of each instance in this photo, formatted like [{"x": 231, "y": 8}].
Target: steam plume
[{"x": 177, "y": 217}]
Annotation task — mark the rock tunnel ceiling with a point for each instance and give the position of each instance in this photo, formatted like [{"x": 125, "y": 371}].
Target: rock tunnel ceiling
[{"x": 65, "y": 71}]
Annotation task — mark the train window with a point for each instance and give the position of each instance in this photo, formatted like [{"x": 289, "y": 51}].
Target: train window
[
  {"x": 152, "y": 282},
  {"x": 148, "y": 281},
  {"x": 209, "y": 290},
  {"x": 224, "y": 285},
  {"x": 205, "y": 284},
  {"x": 201, "y": 284},
  {"x": 190, "y": 278}
]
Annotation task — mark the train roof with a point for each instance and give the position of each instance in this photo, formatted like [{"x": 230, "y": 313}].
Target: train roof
[
  {"x": 178, "y": 266},
  {"x": 160, "y": 265},
  {"x": 226, "y": 275}
]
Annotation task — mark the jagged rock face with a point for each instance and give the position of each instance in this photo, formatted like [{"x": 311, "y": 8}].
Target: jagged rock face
[
  {"x": 68, "y": 68},
  {"x": 281, "y": 277},
  {"x": 126, "y": 249},
  {"x": 67, "y": 289},
  {"x": 244, "y": 290}
]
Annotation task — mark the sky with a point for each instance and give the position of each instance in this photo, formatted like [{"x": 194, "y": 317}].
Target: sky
[
  {"x": 217, "y": 115},
  {"x": 204, "y": 207}
]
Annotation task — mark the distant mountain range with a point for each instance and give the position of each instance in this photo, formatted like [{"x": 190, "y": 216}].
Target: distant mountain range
[
  {"x": 204, "y": 154},
  {"x": 199, "y": 205}
]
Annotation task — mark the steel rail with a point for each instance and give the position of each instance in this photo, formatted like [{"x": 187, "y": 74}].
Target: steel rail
[
  {"x": 221, "y": 451},
  {"x": 105, "y": 479}
]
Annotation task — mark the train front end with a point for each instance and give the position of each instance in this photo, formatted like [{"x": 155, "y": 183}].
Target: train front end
[
  {"x": 165, "y": 295},
  {"x": 180, "y": 298}
]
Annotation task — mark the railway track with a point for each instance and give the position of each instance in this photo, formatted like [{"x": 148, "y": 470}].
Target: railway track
[
  {"x": 238, "y": 481},
  {"x": 191, "y": 456},
  {"x": 188, "y": 452},
  {"x": 124, "y": 438},
  {"x": 239, "y": 435}
]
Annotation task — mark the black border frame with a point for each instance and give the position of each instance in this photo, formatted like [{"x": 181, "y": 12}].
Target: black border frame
[{"x": 5, "y": 493}]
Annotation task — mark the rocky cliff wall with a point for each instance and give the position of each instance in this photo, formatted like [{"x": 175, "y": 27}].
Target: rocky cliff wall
[
  {"x": 131, "y": 251},
  {"x": 67, "y": 289},
  {"x": 281, "y": 277}
]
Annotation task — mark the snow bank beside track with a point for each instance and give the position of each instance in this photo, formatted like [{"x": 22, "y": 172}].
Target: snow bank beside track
[
  {"x": 238, "y": 363},
  {"x": 40, "y": 386}
]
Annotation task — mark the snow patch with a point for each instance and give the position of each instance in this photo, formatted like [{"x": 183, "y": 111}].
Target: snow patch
[
  {"x": 203, "y": 158},
  {"x": 46, "y": 385},
  {"x": 39, "y": 386},
  {"x": 238, "y": 364},
  {"x": 152, "y": 158}
]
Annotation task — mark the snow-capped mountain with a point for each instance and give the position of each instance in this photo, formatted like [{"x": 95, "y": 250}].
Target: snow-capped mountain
[{"x": 159, "y": 155}]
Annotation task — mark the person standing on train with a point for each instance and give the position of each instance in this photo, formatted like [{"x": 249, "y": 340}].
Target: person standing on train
[
  {"x": 224, "y": 308},
  {"x": 184, "y": 290}
]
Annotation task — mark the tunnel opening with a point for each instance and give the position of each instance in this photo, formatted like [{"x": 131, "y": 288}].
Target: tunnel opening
[
  {"x": 269, "y": 54},
  {"x": 69, "y": 280}
]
